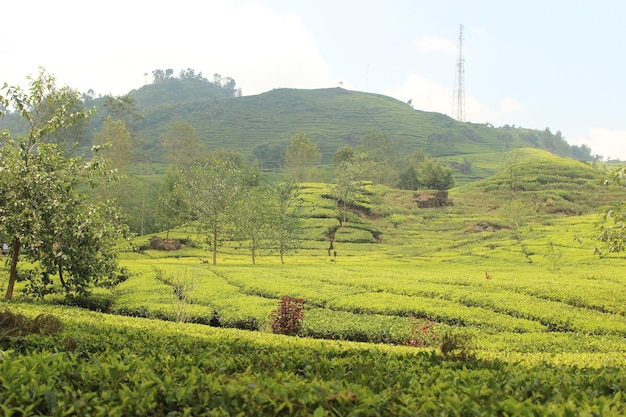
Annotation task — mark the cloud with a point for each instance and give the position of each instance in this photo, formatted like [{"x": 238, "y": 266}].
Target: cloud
[
  {"x": 429, "y": 44},
  {"x": 258, "y": 47},
  {"x": 608, "y": 143}
]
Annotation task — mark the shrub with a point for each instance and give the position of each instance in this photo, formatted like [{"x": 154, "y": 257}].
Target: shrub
[
  {"x": 422, "y": 333},
  {"x": 287, "y": 318},
  {"x": 95, "y": 302},
  {"x": 16, "y": 324},
  {"x": 457, "y": 346}
]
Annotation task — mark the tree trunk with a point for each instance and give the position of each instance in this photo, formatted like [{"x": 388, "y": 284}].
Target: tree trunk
[
  {"x": 67, "y": 290},
  {"x": 215, "y": 245},
  {"x": 253, "y": 250},
  {"x": 15, "y": 254}
]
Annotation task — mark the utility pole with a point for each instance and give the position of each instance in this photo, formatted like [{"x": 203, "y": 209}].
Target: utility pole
[{"x": 458, "y": 100}]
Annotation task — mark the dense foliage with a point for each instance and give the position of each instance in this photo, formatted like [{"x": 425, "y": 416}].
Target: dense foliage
[
  {"x": 102, "y": 365},
  {"x": 43, "y": 213}
]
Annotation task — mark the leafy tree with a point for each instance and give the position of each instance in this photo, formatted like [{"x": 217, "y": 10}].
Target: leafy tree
[
  {"x": 436, "y": 140},
  {"x": 134, "y": 197},
  {"x": 115, "y": 139},
  {"x": 285, "y": 216},
  {"x": 612, "y": 231},
  {"x": 41, "y": 206},
  {"x": 182, "y": 145},
  {"x": 302, "y": 157},
  {"x": 268, "y": 156},
  {"x": 252, "y": 218},
  {"x": 384, "y": 153},
  {"x": 349, "y": 187},
  {"x": 409, "y": 178},
  {"x": 170, "y": 206},
  {"x": 435, "y": 175},
  {"x": 210, "y": 191},
  {"x": 345, "y": 153},
  {"x": 124, "y": 109},
  {"x": 250, "y": 174},
  {"x": 49, "y": 103}
]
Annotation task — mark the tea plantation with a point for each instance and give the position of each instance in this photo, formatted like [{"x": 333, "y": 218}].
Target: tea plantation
[{"x": 483, "y": 307}]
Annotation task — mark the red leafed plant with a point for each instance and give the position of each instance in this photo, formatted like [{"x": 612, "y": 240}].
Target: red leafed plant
[
  {"x": 422, "y": 333},
  {"x": 287, "y": 318}
]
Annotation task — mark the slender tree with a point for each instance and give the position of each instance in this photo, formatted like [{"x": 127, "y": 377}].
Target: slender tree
[
  {"x": 41, "y": 206},
  {"x": 302, "y": 157},
  {"x": 210, "y": 191},
  {"x": 284, "y": 209},
  {"x": 116, "y": 141},
  {"x": 182, "y": 144},
  {"x": 252, "y": 218}
]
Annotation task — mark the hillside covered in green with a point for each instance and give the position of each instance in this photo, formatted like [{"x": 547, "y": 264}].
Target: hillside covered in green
[{"x": 332, "y": 118}]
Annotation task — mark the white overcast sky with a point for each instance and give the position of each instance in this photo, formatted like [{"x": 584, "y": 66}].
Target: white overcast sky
[{"x": 533, "y": 63}]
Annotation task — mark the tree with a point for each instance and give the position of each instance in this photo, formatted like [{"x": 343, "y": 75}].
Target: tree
[
  {"x": 116, "y": 140},
  {"x": 409, "y": 178},
  {"x": 345, "y": 153},
  {"x": 182, "y": 144},
  {"x": 384, "y": 153},
  {"x": 124, "y": 109},
  {"x": 41, "y": 206},
  {"x": 612, "y": 231},
  {"x": 349, "y": 187},
  {"x": 210, "y": 191},
  {"x": 134, "y": 197},
  {"x": 302, "y": 157},
  {"x": 285, "y": 216},
  {"x": 269, "y": 156},
  {"x": 250, "y": 174},
  {"x": 435, "y": 175},
  {"x": 170, "y": 206},
  {"x": 252, "y": 218}
]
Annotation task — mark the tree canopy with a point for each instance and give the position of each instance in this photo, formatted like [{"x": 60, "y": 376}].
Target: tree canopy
[{"x": 42, "y": 209}]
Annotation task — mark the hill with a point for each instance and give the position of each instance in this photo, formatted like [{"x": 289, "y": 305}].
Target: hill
[{"x": 331, "y": 117}]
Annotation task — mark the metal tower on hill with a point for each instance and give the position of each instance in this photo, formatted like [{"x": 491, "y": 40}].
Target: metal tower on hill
[{"x": 458, "y": 100}]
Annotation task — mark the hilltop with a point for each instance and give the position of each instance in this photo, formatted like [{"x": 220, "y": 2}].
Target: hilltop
[{"x": 331, "y": 117}]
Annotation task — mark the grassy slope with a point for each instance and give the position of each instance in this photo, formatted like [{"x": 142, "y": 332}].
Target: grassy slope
[{"x": 332, "y": 117}]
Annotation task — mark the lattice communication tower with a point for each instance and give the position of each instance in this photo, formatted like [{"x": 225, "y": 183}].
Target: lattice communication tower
[{"x": 458, "y": 100}]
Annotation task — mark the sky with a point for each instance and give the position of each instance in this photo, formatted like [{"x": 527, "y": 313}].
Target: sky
[{"x": 535, "y": 64}]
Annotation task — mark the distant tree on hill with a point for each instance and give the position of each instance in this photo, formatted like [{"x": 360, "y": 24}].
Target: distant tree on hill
[
  {"x": 124, "y": 109},
  {"x": 349, "y": 186},
  {"x": 183, "y": 147},
  {"x": 435, "y": 175},
  {"x": 250, "y": 175},
  {"x": 116, "y": 142},
  {"x": 409, "y": 178},
  {"x": 170, "y": 206},
  {"x": 343, "y": 154},
  {"x": 269, "y": 156},
  {"x": 385, "y": 153},
  {"x": 302, "y": 158}
]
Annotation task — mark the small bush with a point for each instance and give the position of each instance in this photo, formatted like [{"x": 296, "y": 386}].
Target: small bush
[
  {"x": 287, "y": 318},
  {"x": 16, "y": 324},
  {"x": 422, "y": 333},
  {"x": 102, "y": 303},
  {"x": 457, "y": 346}
]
